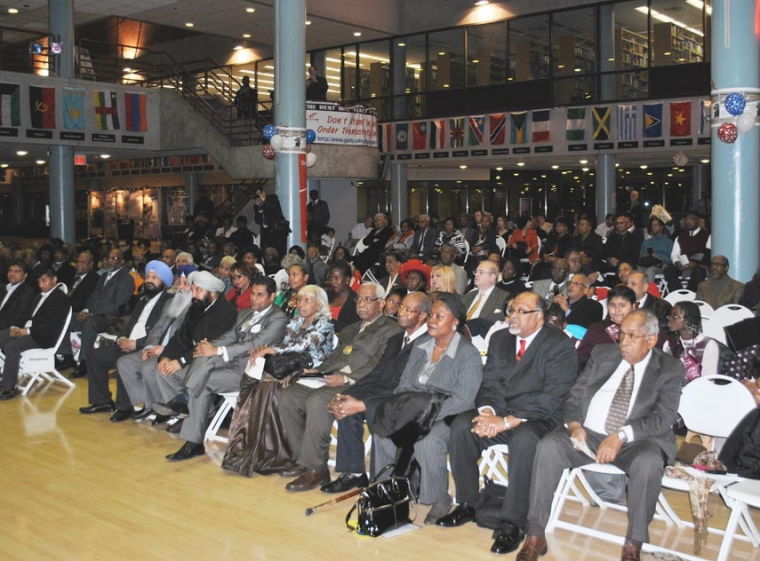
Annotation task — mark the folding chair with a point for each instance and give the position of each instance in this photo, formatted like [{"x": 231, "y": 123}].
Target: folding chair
[
  {"x": 731, "y": 314},
  {"x": 228, "y": 404},
  {"x": 705, "y": 309},
  {"x": 712, "y": 329},
  {"x": 681, "y": 295},
  {"x": 739, "y": 497}
]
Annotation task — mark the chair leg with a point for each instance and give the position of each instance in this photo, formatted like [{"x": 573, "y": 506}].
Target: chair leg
[
  {"x": 560, "y": 496},
  {"x": 738, "y": 510},
  {"x": 216, "y": 423}
]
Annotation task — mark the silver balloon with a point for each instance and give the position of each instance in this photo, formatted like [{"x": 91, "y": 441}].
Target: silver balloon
[
  {"x": 745, "y": 122},
  {"x": 276, "y": 142}
]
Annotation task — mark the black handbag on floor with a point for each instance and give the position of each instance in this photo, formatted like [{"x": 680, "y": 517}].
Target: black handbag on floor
[
  {"x": 488, "y": 504},
  {"x": 382, "y": 506}
]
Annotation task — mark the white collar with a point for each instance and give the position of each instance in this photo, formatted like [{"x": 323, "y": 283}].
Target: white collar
[{"x": 419, "y": 332}]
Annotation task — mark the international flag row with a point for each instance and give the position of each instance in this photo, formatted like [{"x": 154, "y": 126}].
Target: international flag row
[
  {"x": 101, "y": 109},
  {"x": 622, "y": 122}
]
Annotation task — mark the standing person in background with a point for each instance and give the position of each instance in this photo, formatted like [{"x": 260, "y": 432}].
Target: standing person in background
[
  {"x": 316, "y": 86},
  {"x": 319, "y": 217},
  {"x": 268, "y": 215},
  {"x": 245, "y": 100}
]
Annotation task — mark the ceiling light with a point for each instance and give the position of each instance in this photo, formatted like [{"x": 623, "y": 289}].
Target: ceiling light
[
  {"x": 401, "y": 44},
  {"x": 441, "y": 53},
  {"x": 520, "y": 164},
  {"x": 583, "y": 162},
  {"x": 475, "y": 61},
  {"x": 308, "y": 22},
  {"x": 584, "y": 169},
  {"x": 105, "y": 156},
  {"x": 481, "y": 2},
  {"x": 357, "y": 33},
  {"x": 12, "y": 11},
  {"x": 555, "y": 166},
  {"x": 237, "y": 48},
  {"x": 39, "y": 162},
  {"x": 643, "y": 166},
  {"x": 499, "y": 168},
  {"x": 705, "y": 161},
  {"x": 577, "y": 69},
  {"x": 127, "y": 69},
  {"x": 463, "y": 166},
  {"x": 3, "y": 166},
  {"x": 189, "y": 24},
  {"x": 617, "y": 164},
  {"x": 246, "y": 35},
  {"x": 250, "y": 10},
  {"x": 21, "y": 152}
]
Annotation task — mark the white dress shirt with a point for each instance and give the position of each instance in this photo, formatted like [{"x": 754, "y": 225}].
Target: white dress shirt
[
  {"x": 675, "y": 253},
  {"x": 138, "y": 329}
]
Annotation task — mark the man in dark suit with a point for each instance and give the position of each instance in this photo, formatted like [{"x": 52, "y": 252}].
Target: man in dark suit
[
  {"x": 158, "y": 277},
  {"x": 303, "y": 410},
  {"x": 219, "y": 365},
  {"x": 374, "y": 243},
  {"x": 42, "y": 330},
  {"x": 269, "y": 217},
  {"x": 242, "y": 237},
  {"x": 588, "y": 242},
  {"x": 579, "y": 309},
  {"x": 16, "y": 298},
  {"x": 319, "y": 217},
  {"x": 424, "y": 238},
  {"x": 556, "y": 284},
  {"x": 486, "y": 300},
  {"x": 105, "y": 304},
  {"x": 622, "y": 407},
  {"x": 639, "y": 283},
  {"x": 530, "y": 369},
  {"x": 62, "y": 267},
  {"x": 84, "y": 282},
  {"x": 622, "y": 244},
  {"x": 358, "y": 401}
]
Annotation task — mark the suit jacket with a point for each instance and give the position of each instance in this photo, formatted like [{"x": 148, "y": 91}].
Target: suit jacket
[
  {"x": 425, "y": 237},
  {"x": 656, "y": 405},
  {"x": 625, "y": 248},
  {"x": 360, "y": 351},
  {"x": 719, "y": 294},
  {"x": 493, "y": 308},
  {"x": 110, "y": 298},
  {"x": 19, "y": 306},
  {"x": 48, "y": 322},
  {"x": 585, "y": 312},
  {"x": 153, "y": 317},
  {"x": 542, "y": 287},
  {"x": 83, "y": 291},
  {"x": 375, "y": 242},
  {"x": 319, "y": 216},
  {"x": 243, "y": 337},
  {"x": 199, "y": 324},
  {"x": 591, "y": 245},
  {"x": 535, "y": 387},
  {"x": 65, "y": 273},
  {"x": 386, "y": 375},
  {"x": 269, "y": 214}
]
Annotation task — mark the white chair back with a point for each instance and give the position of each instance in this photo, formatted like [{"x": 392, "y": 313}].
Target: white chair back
[
  {"x": 731, "y": 314},
  {"x": 359, "y": 247},
  {"x": 714, "y": 409},
  {"x": 680, "y": 296},
  {"x": 712, "y": 329},
  {"x": 501, "y": 244},
  {"x": 705, "y": 309}
]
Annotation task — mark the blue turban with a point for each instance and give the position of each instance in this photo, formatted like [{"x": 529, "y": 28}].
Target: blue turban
[{"x": 162, "y": 270}]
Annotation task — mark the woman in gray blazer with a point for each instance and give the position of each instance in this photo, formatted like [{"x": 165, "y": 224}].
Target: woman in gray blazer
[{"x": 446, "y": 363}]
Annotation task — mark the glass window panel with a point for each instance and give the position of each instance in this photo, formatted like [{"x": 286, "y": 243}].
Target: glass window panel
[
  {"x": 333, "y": 58},
  {"x": 677, "y": 31},
  {"x": 350, "y": 73},
  {"x": 574, "y": 42},
  {"x": 628, "y": 50},
  {"x": 446, "y": 52},
  {"x": 374, "y": 69},
  {"x": 529, "y": 48},
  {"x": 265, "y": 81},
  {"x": 486, "y": 54}
]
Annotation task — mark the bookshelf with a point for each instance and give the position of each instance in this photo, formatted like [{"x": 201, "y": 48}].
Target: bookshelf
[
  {"x": 672, "y": 44},
  {"x": 631, "y": 53}
]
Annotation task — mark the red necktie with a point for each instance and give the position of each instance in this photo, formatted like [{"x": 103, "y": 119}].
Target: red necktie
[{"x": 521, "y": 350}]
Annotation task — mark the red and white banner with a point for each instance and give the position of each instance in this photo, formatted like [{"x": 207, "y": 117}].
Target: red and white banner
[{"x": 352, "y": 126}]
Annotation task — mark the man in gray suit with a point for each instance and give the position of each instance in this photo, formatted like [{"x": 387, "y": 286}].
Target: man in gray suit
[
  {"x": 219, "y": 365},
  {"x": 485, "y": 301},
  {"x": 622, "y": 407},
  {"x": 555, "y": 285},
  {"x": 304, "y": 410}
]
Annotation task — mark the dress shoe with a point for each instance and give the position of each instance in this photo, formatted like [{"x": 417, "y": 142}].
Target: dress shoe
[
  {"x": 532, "y": 549},
  {"x": 160, "y": 419},
  {"x": 309, "y": 480},
  {"x": 8, "y": 394},
  {"x": 507, "y": 538},
  {"x": 345, "y": 482},
  {"x": 294, "y": 470},
  {"x": 631, "y": 551},
  {"x": 97, "y": 408},
  {"x": 66, "y": 361},
  {"x": 141, "y": 414},
  {"x": 121, "y": 415},
  {"x": 174, "y": 428},
  {"x": 188, "y": 450},
  {"x": 80, "y": 371},
  {"x": 171, "y": 408},
  {"x": 462, "y": 514},
  {"x": 439, "y": 509}
]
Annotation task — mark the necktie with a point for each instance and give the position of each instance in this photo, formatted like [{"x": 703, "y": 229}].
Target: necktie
[
  {"x": 471, "y": 311},
  {"x": 406, "y": 341},
  {"x": 555, "y": 290},
  {"x": 619, "y": 406},
  {"x": 521, "y": 350}
]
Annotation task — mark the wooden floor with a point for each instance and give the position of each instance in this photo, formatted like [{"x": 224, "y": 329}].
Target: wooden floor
[{"x": 76, "y": 487}]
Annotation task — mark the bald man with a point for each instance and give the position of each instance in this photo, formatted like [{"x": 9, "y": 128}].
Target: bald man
[{"x": 485, "y": 301}]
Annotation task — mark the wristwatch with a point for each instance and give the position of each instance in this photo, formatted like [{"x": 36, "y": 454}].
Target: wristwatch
[{"x": 621, "y": 434}]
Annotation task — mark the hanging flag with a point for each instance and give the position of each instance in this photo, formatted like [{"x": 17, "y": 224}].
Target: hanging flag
[
  {"x": 106, "y": 111},
  {"x": 42, "y": 107},
  {"x": 652, "y": 120},
  {"x": 10, "y": 105},
  {"x": 626, "y": 122},
  {"x": 680, "y": 118},
  {"x": 704, "y": 118},
  {"x": 541, "y": 125},
  {"x": 402, "y": 136},
  {"x": 437, "y": 134},
  {"x": 519, "y": 130},
  {"x": 387, "y": 137},
  {"x": 456, "y": 132},
  {"x": 476, "y": 130},
  {"x": 601, "y": 128},
  {"x": 73, "y": 109},
  {"x": 498, "y": 129},
  {"x": 575, "y": 128},
  {"x": 419, "y": 135},
  {"x": 135, "y": 109}
]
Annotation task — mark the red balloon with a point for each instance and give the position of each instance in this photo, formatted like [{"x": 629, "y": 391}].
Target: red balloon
[
  {"x": 728, "y": 133},
  {"x": 268, "y": 152}
]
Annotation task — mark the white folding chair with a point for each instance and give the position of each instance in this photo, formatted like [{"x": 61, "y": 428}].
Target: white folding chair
[
  {"x": 705, "y": 309},
  {"x": 228, "y": 404},
  {"x": 39, "y": 364},
  {"x": 501, "y": 244},
  {"x": 662, "y": 285},
  {"x": 739, "y": 497},
  {"x": 680, "y": 296},
  {"x": 712, "y": 329},
  {"x": 731, "y": 314},
  {"x": 493, "y": 464}
]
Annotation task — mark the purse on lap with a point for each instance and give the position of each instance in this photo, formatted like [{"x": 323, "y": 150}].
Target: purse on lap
[{"x": 283, "y": 365}]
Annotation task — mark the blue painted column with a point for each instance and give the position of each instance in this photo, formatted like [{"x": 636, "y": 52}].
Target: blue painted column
[
  {"x": 735, "y": 179},
  {"x": 605, "y": 186},
  {"x": 290, "y": 104},
  {"x": 61, "y": 158}
]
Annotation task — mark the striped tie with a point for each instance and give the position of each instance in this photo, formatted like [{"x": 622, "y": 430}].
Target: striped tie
[{"x": 619, "y": 407}]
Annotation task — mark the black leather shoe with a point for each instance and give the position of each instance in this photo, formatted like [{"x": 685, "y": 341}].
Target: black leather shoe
[
  {"x": 160, "y": 419},
  {"x": 80, "y": 371},
  {"x": 294, "y": 470},
  {"x": 175, "y": 428},
  {"x": 8, "y": 394},
  {"x": 507, "y": 538},
  {"x": 462, "y": 514},
  {"x": 142, "y": 414},
  {"x": 188, "y": 450},
  {"x": 171, "y": 408},
  {"x": 121, "y": 415},
  {"x": 97, "y": 408},
  {"x": 345, "y": 482}
]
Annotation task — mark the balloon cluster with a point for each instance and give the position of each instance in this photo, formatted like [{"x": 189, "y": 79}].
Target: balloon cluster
[
  {"x": 735, "y": 105},
  {"x": 274, "y": 142}
]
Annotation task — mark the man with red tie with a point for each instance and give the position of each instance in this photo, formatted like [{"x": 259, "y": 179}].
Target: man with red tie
[{"x": 530, "y": 370}]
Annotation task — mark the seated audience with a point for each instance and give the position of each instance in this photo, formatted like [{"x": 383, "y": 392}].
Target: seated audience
[
  {"x": 450, "y": 235},
  {"x": 342, "y": 299},
  {"x": 556, "y": 284},
  {"x": 486, "y": 300},
  {"x": 622, "y": 244},
  {"x": 523, "y": 241},
  {"x": 510, "y": 277},
  {"x": 84, "y": 283},
  {"x": 690, "y": 250},
  {"x": 699, "y": 355},
  {"x": 18, "y": 297},
  {"x": 655, "y": 250},
  {"x": 315, "y": 267},
  {"x": 620, "y": 302},
  {"x": 393, "y": 302},
  {"x": 393, "y": 262},
  {"x": 443, "y": 279},
  {"x": 720, "y": 289},
  {"x": 447, "y": 256},
  {"x": 240, "y": 294},
  {"x": 639, "y": 283},
  {"x": 287, "y": 300},
  {"x": 579, "y": 308}
]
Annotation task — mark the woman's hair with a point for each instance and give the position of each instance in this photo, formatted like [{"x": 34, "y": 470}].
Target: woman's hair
[
  {"x": 692, "y": 317},
  {"x": 320, "y": 296},
  {"x": 515, "y": 264},
  {"x": 455, "y": 306},
  {"x": 448, "y": 276},
  {"x": 623, "y": 292},
  {"x": 298, "y": 250},
  {"x": 228, "y": 260},
  {"x": 290, "y": 259},
  {"x": 245, "y": 270},
  {"x": 299, "y": 266},
  {"x": 343, "y": 267},
  {"x": 522, "y": 221}
]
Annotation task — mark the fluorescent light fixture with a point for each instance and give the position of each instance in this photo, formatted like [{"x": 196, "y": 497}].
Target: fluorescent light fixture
[
  {"x": 21, "y": 153},
  {"x": 105, "y": 156},
  {"x": 659, "y": 16},
  {"x": 698, "y": 4},
  {"x": 189, "y": 24},
  {"x": 463, "y": 166},
  {"x": 13, "y": 11},
  {"x": 250, "y": 10},
  {"x": 357, "y": 33}
]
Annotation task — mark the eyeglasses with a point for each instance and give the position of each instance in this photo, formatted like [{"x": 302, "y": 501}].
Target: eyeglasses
[
  {"x": 519, "y": 312},
  {"x": 408, "y": 310},
  {"x": 366, "y": 300}
]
